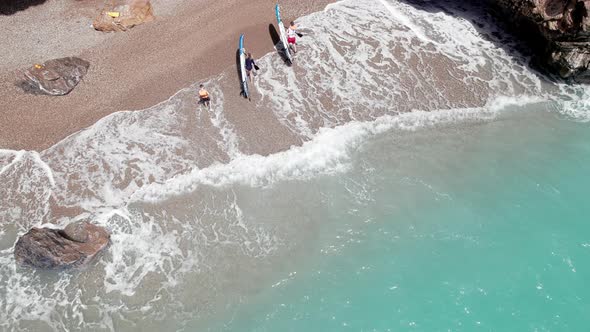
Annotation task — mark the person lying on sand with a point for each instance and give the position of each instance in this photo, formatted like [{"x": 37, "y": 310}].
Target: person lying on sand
[
  {"x": 204, "y": 97},
  {"x": 251, "y": 65}
]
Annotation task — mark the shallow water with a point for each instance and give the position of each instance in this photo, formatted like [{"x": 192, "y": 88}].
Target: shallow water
[
  {"x": 439, "y": 185},
  {"x": 479, "y": 227}
]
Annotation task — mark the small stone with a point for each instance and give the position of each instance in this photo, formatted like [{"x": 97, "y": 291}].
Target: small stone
[{"x": 76, "y": 232}]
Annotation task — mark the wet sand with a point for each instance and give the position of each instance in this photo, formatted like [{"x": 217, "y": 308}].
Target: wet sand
[{"x": 189, "y": 41}]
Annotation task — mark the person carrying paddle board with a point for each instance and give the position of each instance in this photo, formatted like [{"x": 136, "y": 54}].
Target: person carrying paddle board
[
  {"x": 250, "y": 66},
  {"x": 292, "y": 35},
  {"x": 204, "y": 97}
]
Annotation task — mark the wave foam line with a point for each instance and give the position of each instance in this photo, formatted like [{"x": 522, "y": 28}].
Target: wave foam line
[
  {"x": 502, "y": 102},
  {"x": 45, "y": 167},
  {"x": 329, "y": 152},
  {"x": 403, "y": 19},
  {"x": 574, "y": 102},
  {"x": 34, "y": 156},
  {"x": 18, "y": 156}
]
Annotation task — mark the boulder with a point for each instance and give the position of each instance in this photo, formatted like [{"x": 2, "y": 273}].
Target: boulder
[
  {"x": 50, "y": 248},
  {"x": 55, "y": 77},
  {"x": 564, "y": 28},
  {"x": 122, "y": 15}
]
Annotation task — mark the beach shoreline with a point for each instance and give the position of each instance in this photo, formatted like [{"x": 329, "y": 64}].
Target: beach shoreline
[{"x": 188, "y": 42}]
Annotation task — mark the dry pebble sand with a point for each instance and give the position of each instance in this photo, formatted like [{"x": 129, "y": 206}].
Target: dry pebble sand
[{"x": 189, "y": 41}]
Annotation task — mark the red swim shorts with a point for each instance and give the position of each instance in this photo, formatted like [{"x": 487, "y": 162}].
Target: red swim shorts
[{"x": 291, "y": 40}]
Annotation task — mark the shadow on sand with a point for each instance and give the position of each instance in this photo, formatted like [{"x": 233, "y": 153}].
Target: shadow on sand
[
  {"x": 276, "y": 41},
  {"x": 522, "y": 42},
  {"x": 10, "y": 7}
]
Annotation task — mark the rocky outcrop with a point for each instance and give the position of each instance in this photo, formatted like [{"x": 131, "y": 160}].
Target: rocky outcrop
[
  {"x": 50, "y": 248},
  {"x": 564, "y": 26},
  {"x": 55, "y": 77}
]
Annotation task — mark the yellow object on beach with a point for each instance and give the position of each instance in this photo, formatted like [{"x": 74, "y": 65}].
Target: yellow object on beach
[
  {"x": 38, "y": 66},
  {"x": 114, "y": 14}
]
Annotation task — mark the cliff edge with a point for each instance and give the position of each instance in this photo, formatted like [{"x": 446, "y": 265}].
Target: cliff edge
[{"x": 564, "y": 26}]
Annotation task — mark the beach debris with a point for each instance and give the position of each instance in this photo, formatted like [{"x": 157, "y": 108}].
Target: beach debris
[
  {"x": 50, "y": 248},
  {"x": 55, "y": 77},
  {"x": 122, "y": 15}
]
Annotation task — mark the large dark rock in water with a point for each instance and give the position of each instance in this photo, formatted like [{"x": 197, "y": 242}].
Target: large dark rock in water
[
  {"x": 55, "y": 77},
  {"x": 564, "y": 28},
  {"x": 49, "y": 248}
]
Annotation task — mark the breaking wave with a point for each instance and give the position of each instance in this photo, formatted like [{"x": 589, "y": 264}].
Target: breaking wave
[{"x": 192, "y": 229}]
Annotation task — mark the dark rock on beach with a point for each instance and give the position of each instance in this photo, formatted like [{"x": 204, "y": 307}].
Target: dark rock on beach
[
  {"x": 55, "y": 77},
  {"x": 50, "y": 248},
  {"x": 564, "y": 30},
  {"x": 10, "y": 7}
]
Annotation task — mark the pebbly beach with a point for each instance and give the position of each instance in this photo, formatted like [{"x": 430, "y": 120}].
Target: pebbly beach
[{"x": 189, "y": 41}]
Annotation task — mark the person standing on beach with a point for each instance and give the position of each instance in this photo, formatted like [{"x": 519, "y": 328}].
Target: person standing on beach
[
  {"x": 204, "y": 97},
  {"x": 292, "y": 37},
  {"x": 250, "y": 65}
]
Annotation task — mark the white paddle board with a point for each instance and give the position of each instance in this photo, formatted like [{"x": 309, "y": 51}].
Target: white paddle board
[
  {"x": 244, "y": 77},
  {"x": 283, "y": 35}
]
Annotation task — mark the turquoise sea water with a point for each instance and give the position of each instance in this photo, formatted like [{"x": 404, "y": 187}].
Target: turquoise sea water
[
  {"x": 435, "y": 183},
  {"x": 480, "y": 227}
]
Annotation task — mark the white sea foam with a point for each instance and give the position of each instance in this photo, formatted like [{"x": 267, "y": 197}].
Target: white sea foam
[
  {"x": 363, "y": 62},
  {"x": 153, "y": 259},
  {"x": 230, "y": 141},
  {"x": 502, "y": 102},
  {"x": 329, "y": 152},
  {"x": 100, "y": 167},
  {"x": 12, "y": 158},
  {"x": 147, "y": 246},
  {"x": 573, "y": 102},
  {"x": 164, "y": 180},
  {"x": 398, "y": 15},
  {"x": 9, "y": 157},
  {"x": 24, "y": 175}
]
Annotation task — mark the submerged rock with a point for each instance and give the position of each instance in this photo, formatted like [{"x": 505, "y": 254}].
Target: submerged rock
[
  {"x": 50, "y": 248},
  {"x": 564, "y": 28}
]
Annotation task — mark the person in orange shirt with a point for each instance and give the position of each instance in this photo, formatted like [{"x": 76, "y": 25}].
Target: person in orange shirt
[{"x": 204, "y": 97}]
